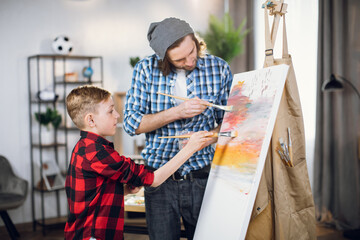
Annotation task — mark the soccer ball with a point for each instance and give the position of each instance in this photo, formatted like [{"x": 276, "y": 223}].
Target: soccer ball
[{"x": 62, "y": 45}]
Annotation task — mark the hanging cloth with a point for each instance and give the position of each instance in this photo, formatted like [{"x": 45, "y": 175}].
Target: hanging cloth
[{"x": 284, "y": 206}]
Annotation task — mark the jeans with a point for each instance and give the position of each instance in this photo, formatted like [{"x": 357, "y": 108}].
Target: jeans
[{"x": 169, "y": 202}]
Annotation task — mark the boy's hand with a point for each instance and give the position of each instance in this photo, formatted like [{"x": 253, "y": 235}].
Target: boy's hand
[
  {"x": 130, "y": 189},
  {"x": 199, "y": 140}
]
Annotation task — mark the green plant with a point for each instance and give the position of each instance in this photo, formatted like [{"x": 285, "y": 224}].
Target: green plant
[
  {"x": 50, "y": 116},
  {"x": 134, "y": 60},
  {"x": 223, "y": 39}
]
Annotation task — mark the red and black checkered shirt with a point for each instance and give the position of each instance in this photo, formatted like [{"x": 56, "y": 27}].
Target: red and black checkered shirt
[{"x": 94, "y": 188}]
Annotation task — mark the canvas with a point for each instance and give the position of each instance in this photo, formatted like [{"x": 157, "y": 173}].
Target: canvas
[{"x": 238, "y": 162}]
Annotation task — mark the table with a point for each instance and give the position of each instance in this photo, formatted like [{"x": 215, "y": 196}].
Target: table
[{"x": 137, "y": 226}]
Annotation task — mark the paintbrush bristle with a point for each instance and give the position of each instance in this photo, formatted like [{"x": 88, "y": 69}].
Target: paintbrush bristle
[
  {"x": 228, "y": 108},
  {"x": 225, "y": 108},
  {"x": 227, "y": 134},
  {"x": 282, "y": 144}
]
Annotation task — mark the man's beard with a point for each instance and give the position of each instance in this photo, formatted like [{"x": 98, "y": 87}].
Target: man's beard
[{"x": 190, "y": 68}]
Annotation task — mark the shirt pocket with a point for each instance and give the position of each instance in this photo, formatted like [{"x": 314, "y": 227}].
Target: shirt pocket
[
  {"x": 205, "y": 120},
  {"x": 209, "y": 111}
]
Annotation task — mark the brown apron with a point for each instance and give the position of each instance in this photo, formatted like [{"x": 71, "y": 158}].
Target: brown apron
[{"x": 284, "y": 206}]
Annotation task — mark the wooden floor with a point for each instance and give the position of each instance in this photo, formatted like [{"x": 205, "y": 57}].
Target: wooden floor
[{"x": 27, "y": 233}]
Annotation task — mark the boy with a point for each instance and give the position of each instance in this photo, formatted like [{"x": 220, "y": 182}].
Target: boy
[{"x": 95, "y": 178}]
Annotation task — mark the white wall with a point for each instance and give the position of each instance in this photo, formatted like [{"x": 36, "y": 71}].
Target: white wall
[
  {"x": 301, "y": 27},
  {"x": 114, "y": 29}
]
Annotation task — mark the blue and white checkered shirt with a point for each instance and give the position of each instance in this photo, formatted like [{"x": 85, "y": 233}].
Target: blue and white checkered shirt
[{"x": 210, "y": 80}]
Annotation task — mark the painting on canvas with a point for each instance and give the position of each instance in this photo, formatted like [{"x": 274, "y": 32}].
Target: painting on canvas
[{"x": 238, "y": 162}]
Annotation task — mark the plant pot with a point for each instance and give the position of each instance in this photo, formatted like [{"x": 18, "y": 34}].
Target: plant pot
[{"x": 47, "y": 135}]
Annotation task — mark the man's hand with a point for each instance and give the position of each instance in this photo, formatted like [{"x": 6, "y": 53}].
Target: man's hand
[
  {"x": 187, "y": 109},
  {"x": 130, "y": 189},
  {"x": 191, "y": 107}
]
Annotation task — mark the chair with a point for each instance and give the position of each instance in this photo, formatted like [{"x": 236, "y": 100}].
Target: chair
[{"x": 13, "y": 192}]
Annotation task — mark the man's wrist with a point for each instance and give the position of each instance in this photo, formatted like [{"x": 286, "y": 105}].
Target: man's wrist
[{"x": 173, "y": 113}]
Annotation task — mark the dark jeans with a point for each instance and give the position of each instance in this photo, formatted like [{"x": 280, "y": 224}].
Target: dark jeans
[{"x": 170, "y": 201}]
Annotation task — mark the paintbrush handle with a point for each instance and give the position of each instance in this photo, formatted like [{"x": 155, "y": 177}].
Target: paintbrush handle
[
  {"x": 291, "y": 156},
  {"x": 289, "y": 137},
  {"x": 179, "y": 136},
  {"x": 177, "y": 97},
  {"x": 182, "y": 98},
  {"x": 188, "y": 136},
  {"x": 283, "y": 157}
]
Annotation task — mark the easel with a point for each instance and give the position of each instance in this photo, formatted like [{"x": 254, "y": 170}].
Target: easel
[
  {"x": 278, "y": 10},
  {"x": 284, "y": 207}
]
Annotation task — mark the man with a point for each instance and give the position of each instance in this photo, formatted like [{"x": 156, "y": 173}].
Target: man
[{"x": 179, "y": 67}]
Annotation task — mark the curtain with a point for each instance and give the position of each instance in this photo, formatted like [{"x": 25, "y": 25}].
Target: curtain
[
  {"x": 238, "y": 10},
  {"x": 336, "y": 163}
]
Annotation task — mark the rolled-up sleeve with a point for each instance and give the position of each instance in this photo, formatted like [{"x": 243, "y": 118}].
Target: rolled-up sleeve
[{"x": 136, "y": 101}]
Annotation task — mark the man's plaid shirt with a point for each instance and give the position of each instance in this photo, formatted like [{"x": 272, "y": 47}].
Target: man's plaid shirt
[
  {"x": 94, "y": 188},
  {"x": 210, "y": 80}
]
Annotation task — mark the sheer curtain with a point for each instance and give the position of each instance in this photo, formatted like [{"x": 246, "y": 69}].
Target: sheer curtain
[
  {"x": 337, "y": 165},
  {"x": 240, "y": 9}
]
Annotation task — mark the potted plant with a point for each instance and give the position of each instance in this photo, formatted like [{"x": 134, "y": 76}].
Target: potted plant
[
  {"x": 46, "y": 119},
  {"x": 50, "y": 116},
  {"x": 133, "y": 61},
  {"x": 223, "y": 39}
]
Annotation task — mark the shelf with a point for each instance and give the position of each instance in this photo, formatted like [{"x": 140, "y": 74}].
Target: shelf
[
  {"x": 79, "y": 82},
  {"x": 63, "y": 56},
  {"x": 69, "y": 128},
  {"x": 50, "y": 145},
  {"x": 46, "y": 190},
  {"x": 43, "y": 102},
  {"x": 48, "y": 71}
]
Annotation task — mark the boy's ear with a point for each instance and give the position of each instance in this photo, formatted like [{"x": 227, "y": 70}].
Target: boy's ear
[{"x": 89, "y": 120}]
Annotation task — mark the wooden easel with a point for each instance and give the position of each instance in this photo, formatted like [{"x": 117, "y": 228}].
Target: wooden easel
[
  {"x": 278, "y": 10},
  {"x": 284, "y": 207}
]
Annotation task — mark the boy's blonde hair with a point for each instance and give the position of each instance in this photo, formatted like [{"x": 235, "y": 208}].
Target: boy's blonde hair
[{"x": 83, "y": 100}]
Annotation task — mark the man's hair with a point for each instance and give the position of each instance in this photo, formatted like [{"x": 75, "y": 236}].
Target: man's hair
[
  {"x": 166, "y": 66},
  {"x": 83, "y": 100}
]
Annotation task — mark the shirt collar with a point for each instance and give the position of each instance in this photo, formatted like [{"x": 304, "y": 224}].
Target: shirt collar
[
  {"x": 96, "y": 138},
  {"x": 200, "y": 63}
]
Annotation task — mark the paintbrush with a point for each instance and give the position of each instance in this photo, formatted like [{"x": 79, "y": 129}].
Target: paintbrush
[
  {"x": 290, "y": 146},
  {"x": 282, "y": 156},
  {"x": 225, "y": 108},
  {"x": 283, "y": 145},
  {"x": 281, "y": 142},
  {"x": 285, "y": 150},
  {"x": 220, "y": 134}
]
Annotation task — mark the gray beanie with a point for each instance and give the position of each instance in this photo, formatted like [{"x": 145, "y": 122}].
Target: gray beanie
[{"x": 162, "y": 35}]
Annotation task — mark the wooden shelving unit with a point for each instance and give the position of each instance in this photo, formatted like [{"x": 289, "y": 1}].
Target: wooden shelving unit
[{"x": 48, "y": 72}]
